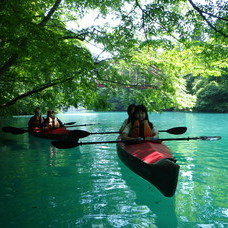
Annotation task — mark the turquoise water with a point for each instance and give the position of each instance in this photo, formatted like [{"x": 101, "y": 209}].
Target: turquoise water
[{"x": 88, "y": 186}]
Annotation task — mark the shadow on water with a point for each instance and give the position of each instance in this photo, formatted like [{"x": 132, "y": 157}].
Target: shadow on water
[
  {"x": 7, "y": 142},
  {"x": 54, "y": 155},
  {"x": 146, "y": 194}
]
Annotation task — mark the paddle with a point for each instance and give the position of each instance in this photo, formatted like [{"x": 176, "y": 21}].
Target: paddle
[
  {"x": 69, "y": 123},
  {"x": 83, "y": 134},
  {"x": 14, "y": 130},
  {"x": 175, "y": 130},
  {"x": 18, "y": 131},
  {"x": 68, "y": 145}
]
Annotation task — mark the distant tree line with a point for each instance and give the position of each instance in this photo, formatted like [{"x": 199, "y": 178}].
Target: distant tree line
[{"x": 211, "y": 95}]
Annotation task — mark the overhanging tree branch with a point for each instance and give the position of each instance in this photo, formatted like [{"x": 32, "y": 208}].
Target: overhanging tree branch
[
  {"x": 121, "y": 84},
  {"x": 36, "y": 90},
  {"x": 125, "y": 85},
  {"x": 12, "y": 60},
  {"x": 212, "y": 15},
  {"x": 50, "y": 13},
  {"x": 80, "y": 36},
  {"x": 205, "y": 19},
  {"x": 144, "y": 12}
]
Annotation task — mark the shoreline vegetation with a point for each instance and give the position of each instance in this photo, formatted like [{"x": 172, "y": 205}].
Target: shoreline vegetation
[{"x": 91, "y": 111}]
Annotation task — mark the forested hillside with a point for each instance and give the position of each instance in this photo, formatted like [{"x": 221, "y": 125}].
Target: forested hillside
[{"x": 208, "y": 94}]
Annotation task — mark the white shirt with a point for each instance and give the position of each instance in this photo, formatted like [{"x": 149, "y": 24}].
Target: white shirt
[{"x": 123, "y": 125}]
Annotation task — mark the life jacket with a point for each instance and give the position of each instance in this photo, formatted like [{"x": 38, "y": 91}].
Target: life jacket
[
  {"x": 142, "y": 129},
  {"x": 36, "y": 129},
  {"x": 53, "y": 123}
]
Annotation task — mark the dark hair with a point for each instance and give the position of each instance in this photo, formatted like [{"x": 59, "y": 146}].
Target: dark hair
[
  {"x": 143, "y": 109},
  {"x": 130, "y": 107},
  {"x": 37, "y": 108},
  {"x": 49, "y": 112}
]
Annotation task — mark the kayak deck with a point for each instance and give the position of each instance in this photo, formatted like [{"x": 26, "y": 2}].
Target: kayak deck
[{"x": 153, "y": 162}]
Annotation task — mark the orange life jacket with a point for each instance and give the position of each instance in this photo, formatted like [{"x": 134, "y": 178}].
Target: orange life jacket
[
  {"x": 142, "y": 129},
  {"x": 53, "y": 122}
]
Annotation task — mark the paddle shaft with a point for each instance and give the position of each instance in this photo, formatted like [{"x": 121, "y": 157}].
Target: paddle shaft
[
  {"x": 67, "y": 145},
  {"x": 83, "y": 134},
  {"x": 18, "y": 131},
  {"x": 175, "y": 130},
  {"x": 155, "y": 140}
]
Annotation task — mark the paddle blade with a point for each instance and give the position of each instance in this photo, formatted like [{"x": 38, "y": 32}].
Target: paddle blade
[
  {"x": 64, "y": 144},
  {"x": 14, "y": 130},
  {"x": 206, "y": 138},
  {"x": 70, "y": 123},
  {"x": 210, "y": 138},
  {"x": 6, "y": 129},
  {"x": 79, "y": 134},
  {"x": 175, "y": 130}
]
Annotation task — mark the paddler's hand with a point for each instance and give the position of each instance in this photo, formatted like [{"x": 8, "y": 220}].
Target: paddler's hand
[
  {"x": 151, "y": 139},
  {"x": 138, "y": 139}
]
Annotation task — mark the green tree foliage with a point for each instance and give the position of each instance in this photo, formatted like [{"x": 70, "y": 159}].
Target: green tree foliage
[
  {"x": 212, "y": 94},
  {"x": 36, "y": 57},
  {"x": 44, "y": 62}
]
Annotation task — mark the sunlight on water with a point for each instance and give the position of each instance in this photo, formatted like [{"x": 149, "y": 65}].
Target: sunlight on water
[{"x": 88, "y": 186}]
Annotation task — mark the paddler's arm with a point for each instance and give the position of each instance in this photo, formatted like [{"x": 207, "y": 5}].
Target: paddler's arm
[
  {"x": 155, "y": 132},
  {"x": 125, "y": 132},
  {"x": 123, "y": 126}
]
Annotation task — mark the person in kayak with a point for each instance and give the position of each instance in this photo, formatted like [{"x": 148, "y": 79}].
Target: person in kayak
[
  {"x": 130, "y": 111},
  {"x": 36, "y": 121},
  {"x": 51, "y": 121},
  {"x": 140, "y": 128}
]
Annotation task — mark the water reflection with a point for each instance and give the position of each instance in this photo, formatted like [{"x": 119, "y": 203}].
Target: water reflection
[
  {"x": 202, "y": 190},
  {"x": 56, "y": 157},
  {"x": 6, "y": 144}
]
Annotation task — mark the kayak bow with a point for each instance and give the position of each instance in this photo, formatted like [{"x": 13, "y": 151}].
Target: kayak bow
[{"x": 153, "y": 162}]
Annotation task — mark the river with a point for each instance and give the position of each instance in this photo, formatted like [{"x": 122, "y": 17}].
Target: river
[{"x": 88, "y": 186}]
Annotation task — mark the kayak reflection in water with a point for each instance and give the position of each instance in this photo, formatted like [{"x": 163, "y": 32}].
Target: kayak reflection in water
[
  {"x": 140, "y": 127},
  {"x": 36, "y": 121},
  {"x": 52, "y": 121}
]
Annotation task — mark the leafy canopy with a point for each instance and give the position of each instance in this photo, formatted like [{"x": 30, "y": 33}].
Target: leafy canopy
[{"x": 44, "y": 62}]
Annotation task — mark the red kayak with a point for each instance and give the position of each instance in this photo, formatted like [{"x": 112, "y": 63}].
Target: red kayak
[
  {"x": 61, "y": 134},
  {"x": 153, "y": 162}
]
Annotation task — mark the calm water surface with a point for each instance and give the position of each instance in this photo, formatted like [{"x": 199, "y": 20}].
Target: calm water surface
[{"x": 88, "y": 186}]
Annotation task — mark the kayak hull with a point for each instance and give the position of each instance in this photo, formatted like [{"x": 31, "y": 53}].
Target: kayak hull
[
  {"x": 153, "y": 162},
  {"x": 60, "y": 134}
]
